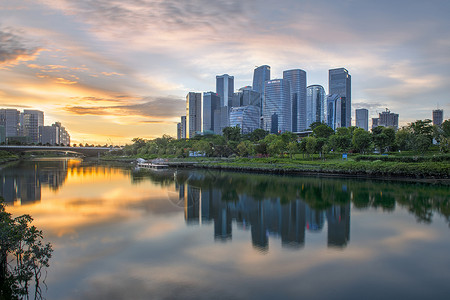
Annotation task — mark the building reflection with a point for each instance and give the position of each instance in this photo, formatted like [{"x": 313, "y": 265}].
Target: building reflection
[
  {"x": 23, "y": 185},
  {"x": 264, "y": 218}
]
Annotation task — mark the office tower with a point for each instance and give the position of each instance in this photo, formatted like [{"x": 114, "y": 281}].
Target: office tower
[
  {"x": 193, "y": 114},
  {"x": 438, "y": 117},
  {"x": 179, "y": 131},
  {"x": 297, "y": 81},
  {"x": 246, "y": 96},
  {"x": 335, "y": 111},
  {"x": 2, "y": 134},
  {"x": 49, "y": 135},
  {"x": 183, "y": 127},
  {"x": 362, "y": 118},
  {"x": 10, "y": 119},
  {"x": 315, "y": 104},
  {"x": 277, "y": 106},
  {"x": 340, "y": 83},
  {"x": 64, "y": 136},
  {"x": 32, "y": 119},
  {"x": 386, "y": 119},
  {"x": 225, "y": 89},
  {"x": 260, "y": 75},
  {"x": 211, "y": 102},
  {"x": 246, "y": 117}
]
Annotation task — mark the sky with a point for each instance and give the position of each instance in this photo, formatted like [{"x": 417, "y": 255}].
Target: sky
[{"x": 113, "y": 70}]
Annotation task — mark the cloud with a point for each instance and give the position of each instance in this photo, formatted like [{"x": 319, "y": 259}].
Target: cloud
[
  {"x": 13, "y": 49},
  {"x": 152, "y": 107}
]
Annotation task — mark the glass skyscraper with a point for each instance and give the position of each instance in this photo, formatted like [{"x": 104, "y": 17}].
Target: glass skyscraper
[
  {"x": 438, "y": 117},
  {"x": 277, "y": 106},
  {"x": 362, "y": 118},
  {"x": 335, "y": 111},
  {"x": 211, "y": 102},
  {"x": 193, "y": 114},
  {"x": 32, "y": 120},
  {"x": 246, "y": 117},
  {"x": 297, "y": 81},
  {"x": 225, "y": 89},
  {"x": 246, "y": 96},
  {"x": 260, "y": 76},
  {"x": 315, "y": 104},
  {"x": 340, "y": 83}
]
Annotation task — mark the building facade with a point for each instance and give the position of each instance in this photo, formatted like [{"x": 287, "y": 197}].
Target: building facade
[
  {"x": 183, "y": 127},
  {"x": 32, "y": 120},
  {"x": 340, "y": 83},
  {"x": 49, "y": 135},
  {"x": 362, "y": 118},
  {"x": 245, "y": 117},
  {"x": 225, "y": 89},
  {"x": 211, "y": 102},
  {"x": 297, "y": 81},
  {"x": 315, "y": 104},
  {"x": 335, "y": 111},
  {"x": 386, "y": 119},
  {"x": 10, "y": 119},
  {"x": 246, "y": 96},
  {"x": 260, "y": 75},
  {"x": 277, "y": 111},
  {"x": 438, "y": 117},
  {"x": 193, "y": 114}
]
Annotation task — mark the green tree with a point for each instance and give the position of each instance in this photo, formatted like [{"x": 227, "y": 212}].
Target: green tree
[
  {"x": 311, "y": 145},
  {"x": 257, "y": 135},
  {"x": 323, "y": 131},
  {"x": 292, "y": 148},
  {"x": 232, "y": 133},
  {"x": 361, "y": 140},
  {"x": 380, "y": 139},
  {"x": 404, "y": 139},
  {"x": 25, "y": 244},
  {"x": 244, "y": 148}
]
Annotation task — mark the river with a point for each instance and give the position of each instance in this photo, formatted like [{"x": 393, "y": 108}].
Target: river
[{"x": 122, "y": 233}]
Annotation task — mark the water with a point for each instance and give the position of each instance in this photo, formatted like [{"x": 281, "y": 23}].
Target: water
[{"x": 125, "y": 234}]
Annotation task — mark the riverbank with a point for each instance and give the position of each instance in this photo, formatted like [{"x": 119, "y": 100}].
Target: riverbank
[{"x": 428, "y": 170}]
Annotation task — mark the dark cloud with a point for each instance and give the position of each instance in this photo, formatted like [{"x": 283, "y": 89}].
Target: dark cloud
[
  {"x": 13, "y": 48},
  {"x": 152, "y": 107}
]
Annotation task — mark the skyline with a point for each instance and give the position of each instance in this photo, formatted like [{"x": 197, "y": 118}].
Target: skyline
[{"x": 115, "y": 70}]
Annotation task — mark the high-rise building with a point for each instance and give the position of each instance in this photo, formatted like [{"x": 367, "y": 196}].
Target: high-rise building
[
  {"x": 225, "y": 89},
  {"x": 32, "y": 120},
  {"x": 10, "y": 119},
  {"x": 246, "y": 117},
  {"x": 438, "y": 117},
  {"x": 386, "y": 119},
  {"x": 297, "y": 81},
  {"x": 183, "y": 127},
  {"x": 49, "y": 135},
  {"x": 193, "y": 114},
  {"x": 335, "y": 111},
  {"x": 277, "y": 106},
  {"x": 362, "y": 118},
  {"x": 64, "y": 136},
  {"x": 211, "y": 102},
  {"x": 260, "y": 76},
  {"x": 340, "y": 83},
  {"x": 246, "y": 96},
  {"x": 179, "y": 131},
  {"x": 315, "y": 104}
]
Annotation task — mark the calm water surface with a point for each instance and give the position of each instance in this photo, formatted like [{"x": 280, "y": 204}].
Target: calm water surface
[{"x": 120, "y": 233}]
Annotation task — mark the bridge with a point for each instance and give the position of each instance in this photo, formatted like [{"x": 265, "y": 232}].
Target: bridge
[{"x": 86, "y": 151}]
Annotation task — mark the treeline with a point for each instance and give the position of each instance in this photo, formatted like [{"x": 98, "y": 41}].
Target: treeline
[{"x": 417, "y": 136}]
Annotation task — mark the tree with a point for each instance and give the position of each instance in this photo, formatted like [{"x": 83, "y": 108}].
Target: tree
[
  {"x": 404, "y": 139},
  {"x": 232, "y": 133},
  {"x": 311, "y": 143},
  {"x": 257, "y": 135},
  {"x": 24, "y": 243},
  {"x": 361, "y": 140},
  {"x": 292, "y": 148},
  {"x": 323, "y": 131},
  {"x": 380, "y": 139},
  {"x": 244, "y": 148}
]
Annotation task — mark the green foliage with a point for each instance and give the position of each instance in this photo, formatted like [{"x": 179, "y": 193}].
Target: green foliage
[
  {"x": 322, "y": 131},
  {"x": 24, "y": 243},
  {"x": 232, "y": 133},
  {"x": 362, "y": 140}
]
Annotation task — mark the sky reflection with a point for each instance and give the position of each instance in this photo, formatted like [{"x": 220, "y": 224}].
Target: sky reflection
[{"x": 121, "y": 234}]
